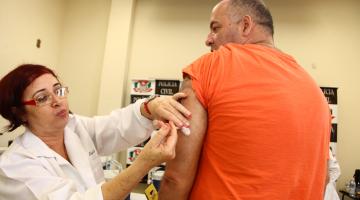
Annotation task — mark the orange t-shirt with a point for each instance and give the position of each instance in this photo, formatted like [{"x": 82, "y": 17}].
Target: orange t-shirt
[{"x": 268, "y": 126}]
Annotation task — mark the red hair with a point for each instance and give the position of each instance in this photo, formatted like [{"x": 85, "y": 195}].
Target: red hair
[{"x": 12, "y": 87}]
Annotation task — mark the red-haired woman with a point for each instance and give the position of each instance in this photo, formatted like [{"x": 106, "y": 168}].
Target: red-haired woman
[{"x": 58, "y": 156}]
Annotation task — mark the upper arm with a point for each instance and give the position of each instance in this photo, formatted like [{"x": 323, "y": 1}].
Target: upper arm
[
  {"x": 182, "y": 170},
  {"x": 120, "y": 129}
]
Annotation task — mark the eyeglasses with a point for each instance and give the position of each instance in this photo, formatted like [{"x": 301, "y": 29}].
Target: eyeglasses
[{"x": 44, "y": 97}]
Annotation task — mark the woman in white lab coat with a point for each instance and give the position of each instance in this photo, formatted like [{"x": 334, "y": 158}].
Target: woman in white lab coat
[{"x": 58, "y": 156}]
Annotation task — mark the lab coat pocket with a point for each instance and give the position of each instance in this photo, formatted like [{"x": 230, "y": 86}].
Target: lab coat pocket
[{"x": 96, "y": 167}]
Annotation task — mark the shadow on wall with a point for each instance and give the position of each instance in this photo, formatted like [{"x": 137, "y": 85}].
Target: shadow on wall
[
  {"x": 285, "y": 12},
  {"x": 175, "y": 11},
  {"x": 293, "y": 12}
]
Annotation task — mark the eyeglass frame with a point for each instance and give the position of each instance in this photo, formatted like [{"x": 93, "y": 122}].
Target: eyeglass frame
[{"x": 50, "y": 95}]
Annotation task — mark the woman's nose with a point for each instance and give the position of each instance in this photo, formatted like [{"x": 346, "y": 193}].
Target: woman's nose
[{"x": 55, "y": 100}]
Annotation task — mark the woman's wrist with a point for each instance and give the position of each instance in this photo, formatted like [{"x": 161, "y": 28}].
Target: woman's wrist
[
  {"x": 144, "y": 162},
  {"x": 145, "y": 107},
  {"x": 144, "y": 113}
]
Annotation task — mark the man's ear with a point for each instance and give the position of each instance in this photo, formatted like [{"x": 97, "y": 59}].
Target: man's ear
[{"x": 247, "y": 25}]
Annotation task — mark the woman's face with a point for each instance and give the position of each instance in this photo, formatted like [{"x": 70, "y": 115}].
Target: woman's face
[{"x": 51, "y": 117}]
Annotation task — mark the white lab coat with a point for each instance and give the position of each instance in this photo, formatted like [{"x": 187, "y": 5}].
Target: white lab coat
[
  {"x": 334, "y": 173},
  {"x": 29, "y": 169}
]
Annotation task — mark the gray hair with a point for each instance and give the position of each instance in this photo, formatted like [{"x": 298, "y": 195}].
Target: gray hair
[{"x": 256, "y": 9}]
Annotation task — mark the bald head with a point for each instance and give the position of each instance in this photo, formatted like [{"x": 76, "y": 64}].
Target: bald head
[
  {"x": 240, "y": 21},
  {"x": 254, "y": 8}
]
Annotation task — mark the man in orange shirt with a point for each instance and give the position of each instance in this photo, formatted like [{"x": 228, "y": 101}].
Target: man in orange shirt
[{"x": 260, "y": 126}]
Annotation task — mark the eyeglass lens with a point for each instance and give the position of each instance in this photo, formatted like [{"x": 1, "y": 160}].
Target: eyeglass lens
[{"x": 45, "y": 97}]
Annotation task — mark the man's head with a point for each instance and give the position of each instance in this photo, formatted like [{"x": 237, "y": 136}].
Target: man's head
[{"x": 240, "y": 21}]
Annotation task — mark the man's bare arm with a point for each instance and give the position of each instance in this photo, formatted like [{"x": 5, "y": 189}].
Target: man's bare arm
[{"x": 180, "y": 172}]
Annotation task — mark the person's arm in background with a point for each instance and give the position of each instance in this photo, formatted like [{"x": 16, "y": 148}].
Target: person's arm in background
[
  {"x": 333, "y": 168},
  {"x": 180, "y": 172},
  {"x": 332, "y": 175},
  {"x": 327, "y": 180}
]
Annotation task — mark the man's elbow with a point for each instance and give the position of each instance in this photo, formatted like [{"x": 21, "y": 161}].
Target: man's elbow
[
  {"x": 175, "y": 181},
  {"x": 176, "y": 185}
]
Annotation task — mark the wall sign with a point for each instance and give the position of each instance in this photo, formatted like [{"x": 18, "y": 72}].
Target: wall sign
[
  {"x": 167, "y": 87},
  {"x": 143, "y": 88},
  {"x": 331, "y": 97}
]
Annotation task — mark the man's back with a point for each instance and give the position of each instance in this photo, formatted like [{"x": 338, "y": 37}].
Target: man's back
[{"x": 268, "y": 126}]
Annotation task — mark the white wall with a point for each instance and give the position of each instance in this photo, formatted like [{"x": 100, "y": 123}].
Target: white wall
[
  {"x": 116, "y": 57},
  {"x": 73, "y": 34},
  {"x": 82, "y": 51},
  {"x": 169, "y": 34},
  {"x": 22, "y": 22}
]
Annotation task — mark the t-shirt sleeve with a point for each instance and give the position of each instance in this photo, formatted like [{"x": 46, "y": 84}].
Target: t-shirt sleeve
[{"x": 200, "y": 73}]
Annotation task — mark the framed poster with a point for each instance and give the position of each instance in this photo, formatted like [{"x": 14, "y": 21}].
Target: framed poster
[
  {"x": 331, "y": 97},
  {"x": 143, "y": 88}
]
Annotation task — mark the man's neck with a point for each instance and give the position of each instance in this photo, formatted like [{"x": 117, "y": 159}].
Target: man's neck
[{"x": 261, "y": 37}]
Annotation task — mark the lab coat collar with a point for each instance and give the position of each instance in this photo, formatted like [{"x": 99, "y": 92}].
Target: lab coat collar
[
  {"x": 78, "y": 156},
  {"x": 38, "y": 148}
]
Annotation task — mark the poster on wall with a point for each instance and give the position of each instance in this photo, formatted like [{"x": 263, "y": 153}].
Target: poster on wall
[
  {"x": 167, "y": 87},
  {"x": 132, "y": 154},
  {"x": 143, "y": 88},
  {"x": 331, "y": 97}
]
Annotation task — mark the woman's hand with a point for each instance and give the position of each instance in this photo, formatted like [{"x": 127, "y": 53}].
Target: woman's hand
[
  {"x": 167, "y": 108},
  {"x": 161, "y": 147}
]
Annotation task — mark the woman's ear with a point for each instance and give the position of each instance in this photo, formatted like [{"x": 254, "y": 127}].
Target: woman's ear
[
  {"x": 20, "y": 113},
  {"x": 14, "y": 110}
]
